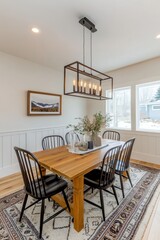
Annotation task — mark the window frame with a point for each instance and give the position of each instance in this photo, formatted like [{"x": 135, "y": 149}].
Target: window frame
[
  {"x": 117, "y": 89},
  {"x": 137, "y": 115}
]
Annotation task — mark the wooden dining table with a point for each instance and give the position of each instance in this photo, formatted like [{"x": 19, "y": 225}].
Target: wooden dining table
[{"x": 73, "y": 166}]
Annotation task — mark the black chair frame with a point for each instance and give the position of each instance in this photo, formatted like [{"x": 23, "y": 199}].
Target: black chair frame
[
  {"x": 52, "y": 141},
  {"x": 38, "y": 186},
  {"x": 67, "y": 137},
  {"x": 105, "y": 177},
  {"x": 109, "y": 134},
  {"x": 123, "y": 163}
]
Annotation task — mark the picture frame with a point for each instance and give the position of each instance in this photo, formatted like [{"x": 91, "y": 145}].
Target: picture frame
[{"x": 42, "y": 104}]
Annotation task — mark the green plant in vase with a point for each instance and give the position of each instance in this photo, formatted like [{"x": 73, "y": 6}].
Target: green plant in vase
[{"x": 92, "y": 128}]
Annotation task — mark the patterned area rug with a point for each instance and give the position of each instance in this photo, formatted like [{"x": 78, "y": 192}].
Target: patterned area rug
[{"x": 121, "y": 221}]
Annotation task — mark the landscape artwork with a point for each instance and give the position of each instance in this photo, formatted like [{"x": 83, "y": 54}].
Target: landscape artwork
[{"x": 40, "y": 103}]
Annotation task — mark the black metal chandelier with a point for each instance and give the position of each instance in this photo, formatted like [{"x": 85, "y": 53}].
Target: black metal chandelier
[{"x": 84, "y": 81}]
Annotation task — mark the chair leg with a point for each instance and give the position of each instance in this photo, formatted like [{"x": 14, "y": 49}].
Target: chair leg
[
  {"x": 66, "y": 200},
  {"x": 115, "y": 194},
  {"x": 122, "y": 188},
  {"x": 102, "y": 204},
  {"x": 23, "y": 207},
  {"x": 129, "y": 178},
  {"x": 41, "y": 217}
]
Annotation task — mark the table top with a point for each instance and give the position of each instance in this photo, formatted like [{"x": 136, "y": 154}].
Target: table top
[{"x": 71, "y": 165}]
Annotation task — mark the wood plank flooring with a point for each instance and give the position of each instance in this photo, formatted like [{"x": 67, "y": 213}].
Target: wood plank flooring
[
  {"x": 153, "y": 230},
  {"x": 14, "y": 183},
  {"x": 10, "y": 184}
]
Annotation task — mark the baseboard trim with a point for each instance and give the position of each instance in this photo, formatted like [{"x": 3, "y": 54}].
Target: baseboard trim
[{"x": 147, "y": 164}]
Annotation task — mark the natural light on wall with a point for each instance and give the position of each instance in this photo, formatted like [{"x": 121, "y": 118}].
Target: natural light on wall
[
  {"x": 120, "y": 108},
  {"x": 148, "y": 106}
]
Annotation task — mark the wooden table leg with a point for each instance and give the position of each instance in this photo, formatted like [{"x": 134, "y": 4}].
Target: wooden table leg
[
  {"x": 43, "y": 171},
  {"x": 78, "y": 203},
  {"x": 125, "y": 174}
]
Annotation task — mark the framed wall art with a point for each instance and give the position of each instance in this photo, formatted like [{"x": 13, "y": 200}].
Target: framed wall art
[{"x": 41, "y": 103}]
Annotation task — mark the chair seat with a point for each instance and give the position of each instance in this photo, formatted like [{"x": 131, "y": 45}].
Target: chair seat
[
  {"x": 92, "y": 179},
  {"x": 53, "y": 185}
]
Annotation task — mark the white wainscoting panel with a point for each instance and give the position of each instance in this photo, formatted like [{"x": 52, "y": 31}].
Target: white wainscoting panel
[
  {"x": 1, "y": 152},
  {"x": 158, "y": 146},
  {"x": 146, "y": 147},
  {"x": 7, "y": 150},
  {"x": 28, "y": 139}
]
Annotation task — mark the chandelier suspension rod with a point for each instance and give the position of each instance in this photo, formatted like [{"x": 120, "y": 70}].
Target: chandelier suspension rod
[
  {"x": 83, "y": 46},
  {"x": 91, "y": 50}
]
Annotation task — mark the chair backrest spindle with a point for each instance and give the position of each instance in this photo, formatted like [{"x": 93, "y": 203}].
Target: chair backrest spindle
[
  {"x": 31, "y": 172},
  {"x": 108, "y": 165},
  {"x": 70, "y": 135},
  {"x": 125, "y": 154},
  {"x": 52, "y": 141},
  {"x": 108, "y": 134}
]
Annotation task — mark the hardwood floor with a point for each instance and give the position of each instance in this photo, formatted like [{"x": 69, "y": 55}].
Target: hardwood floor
[
  {"x": 152, "y": 165},
  {"x": 10, "y": 184},
  {"x": 149, "y": 224},
  {"x": 152, "y": 230}
]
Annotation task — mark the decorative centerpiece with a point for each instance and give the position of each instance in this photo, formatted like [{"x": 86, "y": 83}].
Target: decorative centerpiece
[{"x": 91, "y": 129}]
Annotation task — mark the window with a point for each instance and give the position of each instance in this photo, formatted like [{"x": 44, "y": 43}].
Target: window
[
  {"x": 120, "y": 108},
  {"x": 148, "y": 106}
]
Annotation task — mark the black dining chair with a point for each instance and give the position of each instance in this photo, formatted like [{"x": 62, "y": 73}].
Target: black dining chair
[
  {"x": 103, "y": 178},
  {"x": 52, "y": 141},
  {"x": 123, "y": 163},
  {"x": 70, "y": 136},
  {"x": 37, "y": 186},
  {"x": 114, "y": 135},
  {"x": 49, "y": 142}
]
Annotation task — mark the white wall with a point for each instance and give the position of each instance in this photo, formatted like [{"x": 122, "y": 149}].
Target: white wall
[
  {"x": 17, "y": 76},
  {"x": 147, "y": 144}
]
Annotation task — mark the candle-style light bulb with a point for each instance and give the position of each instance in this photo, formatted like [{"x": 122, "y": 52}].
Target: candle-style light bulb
[
  {"x": 74, "y": 85},
  {"x": 81, "y": 85},
  {"x": 85, "y": 84},
  {"x": 95, "y": 89},
  {"x": 100, "y": 90},
  {"x": 90, "y": 88}
]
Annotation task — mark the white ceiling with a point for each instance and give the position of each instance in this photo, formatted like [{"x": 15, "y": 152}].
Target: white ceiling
[{"x": 126, "y": 31}]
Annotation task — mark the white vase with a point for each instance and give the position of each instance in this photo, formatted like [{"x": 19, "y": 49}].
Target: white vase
[{"x": 96, "y": 140}]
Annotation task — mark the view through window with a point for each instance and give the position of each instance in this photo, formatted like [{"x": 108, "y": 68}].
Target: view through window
[
  {"x": 120, "y": 108},
  {"x": 148, "y": 106}
]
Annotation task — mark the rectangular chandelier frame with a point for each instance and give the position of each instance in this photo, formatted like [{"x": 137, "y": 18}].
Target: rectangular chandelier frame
[{"x": 87, "y": 89}]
